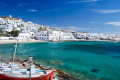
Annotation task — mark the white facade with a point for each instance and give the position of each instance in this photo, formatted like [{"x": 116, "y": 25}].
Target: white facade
[
  {"x": 2, "y": 21},
  {"x": 13, "y": 22},
  {"x": 67, "y": 35},
  {"x": 30, "y": 27},
  {"x": 80, "y": 35},
  {"x": 7, "y": 27},
  {"x": 24, "y": 36},
  {"x": 47, "y": 35},
  {"x": 54, "y": 35},
  {"x": 7, "y": 38},
  {"x": 9, "y": 24}
]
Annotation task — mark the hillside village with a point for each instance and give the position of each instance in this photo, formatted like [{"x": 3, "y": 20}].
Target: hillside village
[{"x": 15, "y": 28}]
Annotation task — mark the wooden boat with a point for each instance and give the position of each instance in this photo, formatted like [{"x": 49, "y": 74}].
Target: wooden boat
[{"x": 13, "y": 76}]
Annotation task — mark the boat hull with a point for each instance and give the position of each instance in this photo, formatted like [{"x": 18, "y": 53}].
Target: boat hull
[{"x": 43, "y": 77}]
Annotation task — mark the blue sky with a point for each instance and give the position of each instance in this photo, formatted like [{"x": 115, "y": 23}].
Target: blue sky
[{"x": 80, "y": 15}]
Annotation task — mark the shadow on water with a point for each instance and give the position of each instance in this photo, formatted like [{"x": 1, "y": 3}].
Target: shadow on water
[{"x": 95, "y": 48}]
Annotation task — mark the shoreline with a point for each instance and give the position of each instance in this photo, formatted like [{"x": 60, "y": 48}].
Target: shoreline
[
  {"x": 37, "y": 41},
  {"x": 20, "y": 41}
]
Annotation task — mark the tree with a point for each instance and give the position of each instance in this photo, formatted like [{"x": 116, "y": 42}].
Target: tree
[
  {"x": 15, "y": 33},
  {"x": 40, "y": 29},
  {"x": 22, "y": 25},
  {"x": 1, "y": 30}
]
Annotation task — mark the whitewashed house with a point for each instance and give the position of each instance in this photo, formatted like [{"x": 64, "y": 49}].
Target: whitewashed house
[
  {"x": 81, "y": 35},
  {"x": 92, "y": 36},
  {"x": 30, "y": 27},
  {"x": 47, "y": 35},
  {"x": 2, "y": 21},
  {"x": 7, "y": 27},
  {"x": 24, "y": 36},
  {"x": 67, "y": 35},
  {"x": 9, "y": 23}
]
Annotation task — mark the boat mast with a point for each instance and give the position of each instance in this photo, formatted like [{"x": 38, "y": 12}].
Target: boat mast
[
  {"x": 30, "y": 60},
  {"x": 15, "y": 51}
]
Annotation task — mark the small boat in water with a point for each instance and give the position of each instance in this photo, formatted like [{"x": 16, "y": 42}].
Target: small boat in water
[
  {"x": 23, "y": 75},
  {"x": 11, "y": 71}
]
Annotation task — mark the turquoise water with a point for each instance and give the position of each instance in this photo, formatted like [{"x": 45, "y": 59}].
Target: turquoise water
[{"x": 78, "y": 58}]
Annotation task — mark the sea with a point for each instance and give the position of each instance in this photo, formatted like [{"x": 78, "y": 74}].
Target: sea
[{"x": 83, "y": 60}]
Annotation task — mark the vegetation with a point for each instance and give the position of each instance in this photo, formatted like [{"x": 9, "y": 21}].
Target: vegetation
[
  {"x": 73, "y": 32},
  {"x": 42, "y": 29},
  {"x": 15, "y": 33},
  {"x": 3, "y": 34},
  {"x": 1, "y": 30},
  {"x": 22, "y": 25}
]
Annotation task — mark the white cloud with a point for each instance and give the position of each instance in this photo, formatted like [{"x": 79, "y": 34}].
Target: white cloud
[
  {"x": 23, "y": 4},
  {"x": 48, "y": 10},
  {"x": 52, "y": 10},
  {"x": 113, "y": 23},
  {"x": 106, "y": 10},
  {"x": 83, "y": 1},
  {"x": 32, "y": 10},
  {"x": 78, "y": 28}
]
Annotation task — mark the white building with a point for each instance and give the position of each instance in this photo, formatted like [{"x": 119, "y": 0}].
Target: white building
[
  {"x": 7, "y": 27},
  {"x": 81, "y": 35},
  {"x": 52, "y": 35},
  {"x": 24, "y": 36},
  {"x": 67, "y": 35},
  {"x": 9, "y": 23},
  {"x": 47, "y": 35},
  {"x": 30, "y": 27},
  {"x": 2, "y": 21}
]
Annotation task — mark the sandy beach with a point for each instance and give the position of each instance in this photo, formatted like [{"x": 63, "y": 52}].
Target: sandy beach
[
  {"x": 32, "y": 41},
  {"x": 20, "y": 41}
]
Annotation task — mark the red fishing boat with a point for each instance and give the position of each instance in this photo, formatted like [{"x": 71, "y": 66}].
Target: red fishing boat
[{"x": 13, "y": 76}]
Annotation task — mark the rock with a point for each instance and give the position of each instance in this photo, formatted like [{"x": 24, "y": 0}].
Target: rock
[
  {"x": 61, "y": 74},
  {"x": 64, "y": 76},
  {"x": 57, "y": 62},
  {"x": 41, "y": 67},
  {"x": 58, "y": 73},
  {"x": 95, "y": 70}
]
